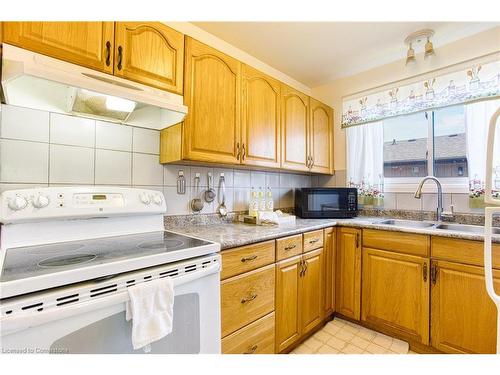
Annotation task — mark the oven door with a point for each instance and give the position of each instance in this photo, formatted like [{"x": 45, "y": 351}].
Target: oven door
[{"x": 99, "y": 326}]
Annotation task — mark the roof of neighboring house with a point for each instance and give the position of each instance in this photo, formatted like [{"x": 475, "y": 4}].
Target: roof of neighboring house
[{"x": 446, "y": 147}]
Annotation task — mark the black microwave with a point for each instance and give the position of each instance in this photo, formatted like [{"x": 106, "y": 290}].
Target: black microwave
[{"x": 326, "y": 203}]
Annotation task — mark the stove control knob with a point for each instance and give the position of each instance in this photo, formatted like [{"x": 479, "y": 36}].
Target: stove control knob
[
  {"x": 18, "y": 203},
  {"x": 145, "y": 198},
  {"x": 157, "y": 199},
  {"x": 41, "y": 201}
]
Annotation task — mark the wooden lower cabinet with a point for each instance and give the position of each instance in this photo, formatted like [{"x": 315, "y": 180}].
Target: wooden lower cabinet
[
  {"x": 311, "y": 290},
  {"x": 246, "y": 297},
  {"x": 329, "y": 254},
  {"x": 255, "y": 338},
  {"x": 463, "y": 317},
  {"x": 348, "y": 273},
  {"x": 288, "y": 300},
  {"x": 395, "y": 293}
]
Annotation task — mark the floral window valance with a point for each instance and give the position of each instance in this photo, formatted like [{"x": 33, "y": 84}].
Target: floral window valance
[{"x": 478, "y": 82}]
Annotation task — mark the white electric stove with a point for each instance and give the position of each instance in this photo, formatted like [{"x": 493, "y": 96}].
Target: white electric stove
[{"x": 68, "y": 255}]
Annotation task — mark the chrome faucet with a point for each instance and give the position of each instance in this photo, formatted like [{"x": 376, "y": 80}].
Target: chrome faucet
[{"x": 418, "y": 195}]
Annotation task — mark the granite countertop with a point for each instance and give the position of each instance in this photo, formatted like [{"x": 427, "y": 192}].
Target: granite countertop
[{"x": 233, "y": 234}]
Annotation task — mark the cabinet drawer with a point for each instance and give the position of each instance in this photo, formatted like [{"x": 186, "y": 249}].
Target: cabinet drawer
[
  {"x": 255, "y": 338},
  {"x": 463, "y": 251},
  {"x": 246, "y": 258},
  {"x": 313, "y": 240},
  {"x": 245, "y": 298},
  {"x": 288, "y": 247},
  {"x": 407, "y": 243}
]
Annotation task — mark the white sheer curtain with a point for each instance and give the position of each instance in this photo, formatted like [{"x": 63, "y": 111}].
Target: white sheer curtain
[
  {"x": 365, "y": 154},
  {"x": 478, "y": 117}
]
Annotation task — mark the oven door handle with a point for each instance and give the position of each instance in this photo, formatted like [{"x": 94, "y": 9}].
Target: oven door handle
[{"x": 21, "y": 321}]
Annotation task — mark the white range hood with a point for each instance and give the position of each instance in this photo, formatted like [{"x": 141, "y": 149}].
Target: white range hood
[{"x": 40, "y": 82}]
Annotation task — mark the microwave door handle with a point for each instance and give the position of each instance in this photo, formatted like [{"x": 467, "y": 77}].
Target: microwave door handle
[{"x": 25, "y": 320}]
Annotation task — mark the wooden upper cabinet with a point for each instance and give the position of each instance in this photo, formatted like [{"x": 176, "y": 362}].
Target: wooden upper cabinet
[
  {"x": 395, "y": 290},
  {"x": 261, "y": 116},
  {"x": 348, "y": 272},
  {"x": 288, "y": 302},
  {"x": 311, "y": 289},
  {"x": 463, "y": 317},
  {"x": 295, "y": 123},
  {"x": 320, "y": 137},
  {"x": 212, "y": 93},
  {"x": 329, "y": 252},
  {"x": 89, "y": 44},
  {"x": 149, "y": 53}
]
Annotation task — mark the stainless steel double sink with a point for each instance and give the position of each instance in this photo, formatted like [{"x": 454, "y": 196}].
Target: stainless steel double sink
[{"x": 476, "y": 229}]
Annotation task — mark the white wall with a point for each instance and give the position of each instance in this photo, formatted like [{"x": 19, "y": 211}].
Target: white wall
[{"x": 39, "y": 148}]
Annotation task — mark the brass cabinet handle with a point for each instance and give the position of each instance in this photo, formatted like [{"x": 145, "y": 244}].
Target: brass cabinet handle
[
  {"x": 249, "y": 298},
  {"x": 424, "y": 271},
  {"x": 244, "y": 152},
  {"x": 314, "y": 241},
  {"x": 120, "y": 57},
  {"x": 108, "y": 53},
  {"x": 308, "y": 161},
  {"x": 301, "y": 268},
  {"x": 290, "y": 247},
  {"x": 434, "y": 272},
  {"x": 238, "y": 151},
  {"x": 251, "y": 350},
  {"x": 305, "y": 267},
  {"x": 249, "y": 258}
]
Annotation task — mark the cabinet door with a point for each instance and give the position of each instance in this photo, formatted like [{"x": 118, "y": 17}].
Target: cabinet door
[
  {"x": 395, "y": 290},
  {"x": 149, "y": 53},
  {"x": 260, "y": 126},
  {"x": 288, "y": 300},
  {"x": 212, "y": 93},
  {"x": 348, "y": 275},
  {"x": 89, "y": 44},
  {"x": 320, "y": 137},
  {"x": 463, "y": 317},
  {"x": 329, "y": 271},
  {"x": 311, "y": 289},
  {"x": 294, "y": 122}
]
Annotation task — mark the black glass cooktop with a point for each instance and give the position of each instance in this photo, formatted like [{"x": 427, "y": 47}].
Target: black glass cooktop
[{"x": 32, "y": 261}]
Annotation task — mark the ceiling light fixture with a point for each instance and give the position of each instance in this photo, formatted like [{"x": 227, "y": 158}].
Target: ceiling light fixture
[{"x": 416, "y": 38}]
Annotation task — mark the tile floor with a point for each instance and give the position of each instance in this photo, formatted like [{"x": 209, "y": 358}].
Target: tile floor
[{"x": 342, "y": 337}]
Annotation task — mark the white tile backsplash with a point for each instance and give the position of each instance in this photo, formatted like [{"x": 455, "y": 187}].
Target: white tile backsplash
[
  {"x": 429, "y": 202},
  {"x": 23, "y": 123},
  {"x": 146, "y": 170},
  {"x": 406, "y": 201},
  {"x": 113, "y": 136},
  {"x": 70, "y": 150},
  {"x": 146, "y": 141},
  {"x": 71, "y": 130},
  {"x": 113, "y": 167},
  {"x": 23, "y": 162},
  {"x": 390, "y": 201},
  {"x": 71, "y": 165}
]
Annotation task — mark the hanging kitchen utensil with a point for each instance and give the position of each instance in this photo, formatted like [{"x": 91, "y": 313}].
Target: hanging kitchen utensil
[
  {"x": 210, "y": 192},
  {"x": 196, "y": 202},
  {"x": 222, "y": 194}
]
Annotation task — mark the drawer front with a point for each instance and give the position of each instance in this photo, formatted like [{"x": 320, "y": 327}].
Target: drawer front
[
  {"x": 246, "y": 298},
  {"x": 255, "y": 338},
  {"x": 406, "y": 243},
  {"x": 288, "y": 247},
  {"x": 247, "y": 258},
  {"x": 313, "y": 240},
  {"x": 463, "y": 251}
]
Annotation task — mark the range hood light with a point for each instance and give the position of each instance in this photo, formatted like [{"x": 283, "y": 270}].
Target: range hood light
[{"x": 118, "y": 104}]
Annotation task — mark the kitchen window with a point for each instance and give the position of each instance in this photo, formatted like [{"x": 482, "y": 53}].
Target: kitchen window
[{"x": 393, "y": 154}]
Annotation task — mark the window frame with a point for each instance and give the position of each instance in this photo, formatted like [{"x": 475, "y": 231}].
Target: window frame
[{"x": 409, "y": 184}]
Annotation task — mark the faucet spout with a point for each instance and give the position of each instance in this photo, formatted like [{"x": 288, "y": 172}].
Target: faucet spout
[{"x": 418, "y": 194}]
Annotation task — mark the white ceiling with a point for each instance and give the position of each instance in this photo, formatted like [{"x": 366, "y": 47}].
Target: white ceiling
[{"x": 315, "y": 53}]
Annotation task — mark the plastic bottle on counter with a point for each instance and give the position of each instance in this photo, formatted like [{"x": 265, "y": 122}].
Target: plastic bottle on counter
[
  {"x": 253, "y": 204},
  {"x": 269, "y": 201},
  {"x": 262, "y": 200}
]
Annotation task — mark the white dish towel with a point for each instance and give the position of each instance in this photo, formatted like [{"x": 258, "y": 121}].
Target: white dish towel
[{"x": 151, "y": 308}]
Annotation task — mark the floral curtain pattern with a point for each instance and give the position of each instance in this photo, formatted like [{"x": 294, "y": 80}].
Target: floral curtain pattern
[{"x": 479, "y": 82}]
